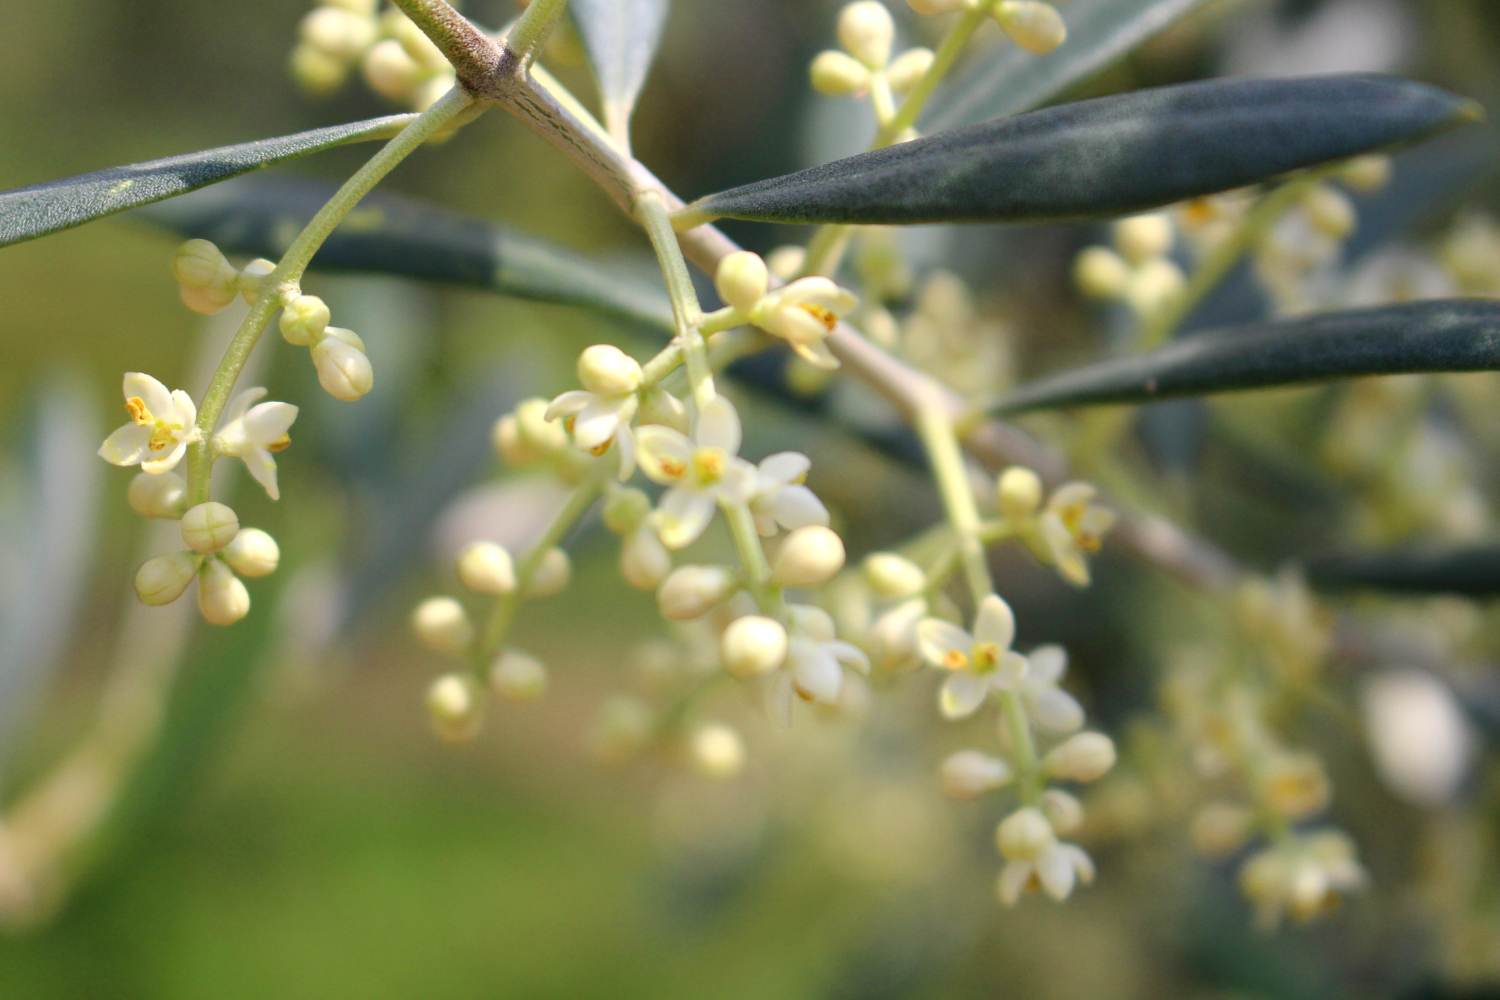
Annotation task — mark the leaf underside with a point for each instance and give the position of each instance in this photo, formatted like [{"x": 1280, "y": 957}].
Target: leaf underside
[
  {"x": 1105, "y": 157},
  {"x": 1445, "y": 335},
  {"x": 1473, "y": 571},
  {"x": 41, "y": 209},
  {"x": 621, "y": 37}
]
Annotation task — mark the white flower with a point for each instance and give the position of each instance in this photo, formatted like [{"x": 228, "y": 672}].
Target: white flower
[
  {"x": 780, "y": 498},
  {"x": 252, "y": 433},
  {"x": 701, "y": 472},
  {"x": 893, "y": 636},
  {"x": 1049, "y": 706},
  {"x": 160, "y": 429},
  {"x": 1055, "y": 870},
  {"x": 978, "y": 663},
  {"x": 1072, "y": 526},
  {"x": 802, "y": 314},
  {"x": 601, "y": 411},
  {"x": 1305, "y": 876},
  {"x": 815, "y": 661}
]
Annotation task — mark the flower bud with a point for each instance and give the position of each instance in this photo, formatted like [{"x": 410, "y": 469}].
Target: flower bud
[
  {"x": 518, "y": 677},
  {"x": 626, "y": 510},
  {"x": 551, "y": 575},
  {"x": 644, "y": 560},
  {"x": 413, "y": 39},
  {"x": 163, "y": 579},
  {"x": 1100, "y": 273},
  {"x": 741, "y": 279},
  {"x": 443, "y": 626},
  {"x": 160, "y": 494},
  {"x": 1222, "y": 828},
  {"x": 892, "y": 576},
  {"x": 692, "y": 591},
  {"x": 1143, "y": 237},
  {"x": 347, "y": 336},
  {"x": 429, "y": 93},
  {"x": 304, "y": 319},
  {"x": 808, "y": 557},
  {"x": 1033, "y": 25},
  {"x": 455, "y": 707},
  {"x": 1153, "y": 285},
  {"x": 365, "y": 8},
  {"x": 1295, "y": 785},
  {"x": 206, "y": 301},
  {"x": 1083, "y": 757},
  {"x": 1064, "y": 812},
  {"x": 661, "y": 407},
  {"x": 315, "y": 71},
  {"x": 343, "y": 371},
  {"x": 200, "y": 264},
  {"x": 209, "y": 527},
  {"x": 786, "y": 261},
  {"x": 222, "y": 598},
  {"x": 253, "y": 276},
  {"x": 390, "y": 71},
  {"x": 1019, "y": 491},
  {"x": 252, "y": 553},
  {"x": 1329, "y": 211},
  {"x": 487, "y": 568},
  {"x": 1367, "y": 173},
  {"x": 543, "y": 436},
  {"x": 337, "y": 33},
  {"x": 866, "y": 32},
  {"x": 718, "y": 752},
  {"x": 608, "y": 371},
  {"x": 909, "y": 67},
  {"x": 1024, "y": 835},
  {"x": 506, "y": 437},
  {"x": 968, "y": 774},
  {"x": 933, "y": 7},
  {"x": 753, "y": 646},
  {"x": 837, "y": 73}
]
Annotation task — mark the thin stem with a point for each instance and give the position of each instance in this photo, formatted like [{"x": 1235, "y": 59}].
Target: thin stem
[
  {"x": 685, "y": 309},
  {"x": 753, "y": 558},
  {"x": 284, "y": 282},
  {"x": 938, "y": 437},
  {"x": 1028, "y": 772},
  {"x": 881, "y": 99},
  {"x": 533, "y": 29}
]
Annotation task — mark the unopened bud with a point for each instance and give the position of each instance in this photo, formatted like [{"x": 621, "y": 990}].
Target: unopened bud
[
  {"x": 316, "y": 71},
  {"x": 200, "y": 264},
  {"x": 160, "y": 494},
  {"x": 1083, "y": 757},
  {"x": 1019, "y": 492},
  {"x": 1024, "y": 835},
  {"x": 837, "y": 73},
  {"x": 934, "y": 7},
  {"x": 209, "y": 527},
  {"x": 1143, "y": 237},
  {"x": 347, "y": 336},
  {"x": 661, "y": 407},
  {"x": 365, "y": 8},
  {"x": 1329, "y": 211},
  {"x": 909, "y": 68},
  {"x": 222, "y": 598},
  {"x": 1367, "y": 173},
  {"x": 337, "y": 33},
  {"x": 626, "y": 510},
  {"x": 413, "y": 39},
  {"x": 968, "y": 774},
  {"x": 808, "y": 557},
  {"x": 718, "y": 752},
  {"x": 253, "y": 553},
  {"x": 304, "y": 319},
  {"x": 390, "y": 71},
  {"x": 741, "y": 279},
  {"x": 1100, "y": 273},
  {"x": 163, "y": 579},
  {"x": 518, "y": 677},
  {"x": 253, "y": 276},
  {"x": 644, "y": 560},
  {"x": 429, "y": 93},
  {"x": 1222, "y": 828},
  {"x": 1064, "y": 812},
  {"x": 487, "y": 568},
  {"x": 608, "y": 371},
  {"x": 443, "y": 626},
  {"x": 753, "y": 646},
  {"x": 866, "y": 32},
  {"x": 786, "y": 261},
  {"x": 892, "y": 576},
  {"x": 1033, "y": 25},
  {"x": 1153, "y": 285},
  {"x": 551, "y": 575},
  {"x": 343, "y": 371},
  {"x": 693, "y": 591},
  {"x": 455, "y": 706},
  {"x": 543, "y": 436}
]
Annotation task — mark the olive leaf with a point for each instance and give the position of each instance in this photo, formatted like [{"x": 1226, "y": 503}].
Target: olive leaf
[
  {"x": 1473, "y": 571},
  {"x": 1103, "y": 157},
  {"x": 392, "y": 234},
  {"x": 42, "y": 209},
  {"x": 1445, "y": 335},
  {"x": 1013, "y": 80},
  {"x": 621, "y": 38}
]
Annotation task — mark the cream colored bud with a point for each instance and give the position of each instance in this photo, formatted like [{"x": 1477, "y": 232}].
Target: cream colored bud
[
  {"x": 909, "y": 67},
  {"x": 661, "y": 407},
  {"x": 1033, "y": 25},
  {"x": 518, "y": 677},
  {"x": 786, "y": 261},
  {"x": 163, "y": 579},
  {"x": 200, "y": 264},
  {"x": 1329, "y": 211},
  {"x": 1100, "y": 273},
  {"x": 337, "y": 33},
  {"x": 837, "y": 73},
  {"x": 349, "y": 337},
  {"x": 455, "y": 706},
  {"x": 551, "y": 575},
  {"x": 968, "y": 774},
  {"x": 1367, "y": 173},
  {"x": 486, "y": 568},
  {"x": 931, "y": 8},
  {"x": 1153, "y": 285},
  {"x": 413, "y": 39},
  {"x": 222, "y": 598},
  {"x": 1221, "y": 828},
  {"x": 546, "y": 437},
  {"x": 304, "y": 319},
  {"x": 160, "y": 494},
  {"x": 1143, "y": 237},
  {"x": 253, "y": 553},
  {"x": 253, "y": 276},
  {"x": 808, "y": 557},
  {"x": 1295, "y": 785},
  {"x": 741, "y": 279},
  {"x": 443, "y": 626},
  {"x": 315, "y": 71},
  {"x": 626, "y": 510},
  {"x": 718, "y": 752},
  {"x": 1019, "y": 493},
  {"x": 365, "y": 8},
  {"x": 753, "y": 646},
  {"x": 390, "y": 71},
  {"x": 866, "y": 32},
  {"x": 608, "y": 371},
  {"x": 1082, "y": 757},
  {"x": 506, "y": 437},
  {"x": 206, "y": 301},
  {"x": 429, "y": 93},
  {"x": 1063, "y": 811},
  {"x": 209, "y": 527},
  {"x": 1024, "y": 835},
  {"x": 644, "y": 560},
  {"x": 892, "y": 576},
  {"x": 343, "y": 371},
  {"x": 693, "y": 591}
]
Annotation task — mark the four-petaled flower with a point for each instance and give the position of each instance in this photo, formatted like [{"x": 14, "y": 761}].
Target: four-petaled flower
[
  {"x": 1072, "y": 526},
  {"x": 1049, "y": 706},
  {"x": 701, "y": 471},
  {"x": 781, "y": 499},
  {"x": 596, "y": 421},
  {"x": 253, "y": 433},
  {"x": 803, "y": 313},
  {"x": 162, "y": 425},
  {"x": 815, "y": 661},
  {"x": 978, "y": 663},
  {"x": 1055, "y": 870}
]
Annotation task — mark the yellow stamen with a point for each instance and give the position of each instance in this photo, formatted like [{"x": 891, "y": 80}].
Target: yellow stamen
[
  {"x": 136, "y": 407},
  {"x": 986, "y": 657},
  {"x": 708, "y": 464},
  {"x": 822, "y": 315},
  {"x": 161, "y": 431},
  {"x": 671, "y": 468},
  {"x": 280, "y": 444},
  {"x": 954, "y": 659}
]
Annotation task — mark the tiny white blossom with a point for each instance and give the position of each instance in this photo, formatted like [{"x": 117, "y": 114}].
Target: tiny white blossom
[
  {"x": 1049, "y": 706},
  {"x": 803, "y": 313},
  {"x": 781, "y": 500},
  {"x": 1055, "y": 871},
  {"x": 1073, "y": 526},
  {"x": 162, "y": 425},
  {"x": 599, "y": 414},
  {"x": 978, "y": 663},
  {"x": 254, "y": 431},
  {"x": 814, "y": 666},
  {"x": 701, "y": 471}
]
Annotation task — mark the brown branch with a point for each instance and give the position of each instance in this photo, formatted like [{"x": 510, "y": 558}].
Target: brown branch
[{"x": 475, "y": 55}]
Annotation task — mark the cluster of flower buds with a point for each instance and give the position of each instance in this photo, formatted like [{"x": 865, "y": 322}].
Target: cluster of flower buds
[
  {"x": 208, "y": 281},
  {"x": 1308, "y": 240},
  {"x": 866, "y": 33},
  {"x": 1032, "y": 24},
  {"x": 1061, "y": 533},
  {"x": 946, "y": 336},
  {"x": 803, "y": 313},
  {"x": 338, "y": 355},
  {"x": 1138, "y": 270},
  {"x": 398, "y": 61},
  {"x": 217, "y": 549}
]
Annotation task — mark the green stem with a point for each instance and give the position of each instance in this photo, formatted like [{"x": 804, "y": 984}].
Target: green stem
[
  {"x": 533, "y": 28},
  {"x": 753, "y": 558},
  {"x": 686, "y": 312},
  {"x": 941, "y": 442},
  {"x": 1028, "y": 768},
  {"x": 284, "y": 282}
]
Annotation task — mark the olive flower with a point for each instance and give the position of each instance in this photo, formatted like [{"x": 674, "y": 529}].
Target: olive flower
[
  {"x": 162, "y": 425},
  {"x": 701, "y": 471},
  {"x": 253, "y": 433},
  {"x": 1072, "y": 526},
  {"x": 781, "y": 499},
  {"x": 978, "y": 663}
]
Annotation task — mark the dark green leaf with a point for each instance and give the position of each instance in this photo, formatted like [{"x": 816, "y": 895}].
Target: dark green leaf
[
  {"x": 1473, "y": 571},
  {"x": 1448, "y": 335},
  {"x": 390, "y": 234},
  {"x": 1013, "y": 80},
  {"x": 1105, "y": 157},
  {"x": 41, "y": 209},
  {"x": 621, "y": 37}
]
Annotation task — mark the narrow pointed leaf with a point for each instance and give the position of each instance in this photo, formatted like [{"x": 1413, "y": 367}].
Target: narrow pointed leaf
[
  {"x": 1473, "y": 571},
  {"x": 1012, "y": 80},
  {"x": 391, "y": 234},
  {"x": 42, "y": 209},
  {"x": 1104, "y": 157},
  {"x": 1446, "y": 335},
  {"x": 621, "y": 38}
]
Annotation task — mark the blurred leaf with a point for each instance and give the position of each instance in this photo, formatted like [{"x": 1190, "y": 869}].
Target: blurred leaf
[
  {"x": 1013, "y": 80},
  {"x": 1473, "y": 571},
  {"x": 1104, "y": 157},
  {"x": 1446, "y": 335},
  {"x": 41, "y": 209},
  {"x": 391, "y": 234},
  {"x": 621, "y": 37}
]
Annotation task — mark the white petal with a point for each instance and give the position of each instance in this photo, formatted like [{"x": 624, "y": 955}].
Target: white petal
[
  {"x": 718, "y": 426},
  {"x": 1096, "y": 521},
  {"x": 682, "y": 516},
  {"x": 263, "y": 467},
  {"x": 937, "y": 638},
  {"x": 816, "y": 353},
  {"x": 1013, "y": 879},
  {"x": 1055, "y": 869},
  {"x": 625, "y": 444},
  {"x": 184, "y": 410},
  {"x": 168, "y": 460},
  {"x": 963, "y": 692},
  {"x": 811, "y": 621},
  {"x": 1010, "y": 672},
  {"x": 1070, "y": 495},
  {"x": 782, "y": 468},
  {"x": 148, "y": 390},
  {"x": 596, "y": 423},
  {"x": 1065, "y": 551},
  {"x": 779, "y": 696},
  {"x": 738, "y": 481},
  {"x": 1055, "y": 710},
  {"x": 663, "y": 453},
  {"x": 569, "y": 403},
  {"x": 269, "y": 422},
  {"x": 796, "y": 506},
  {"x": 1048, "y": 664},
  {"x": 127, "y": 445},
  {"x": 765, "y": 521},
  {"x": 242, "y": 403},
  {"x": 995, "y": 622},
  {"x": 816, "y": 673},
  {"x": 849, "y": 655},
  {"x": 1082, "y": 863}
]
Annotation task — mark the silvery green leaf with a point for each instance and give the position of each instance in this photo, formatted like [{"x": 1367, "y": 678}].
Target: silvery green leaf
[
  {"x": 391, "y": 234},
  {"x": 1011, "y": 79},
  {"x": 1471, "y": 570},
  {"x": 1445, "y": 335},
  {"x": 621, "y": 38},
  {"x": 42, "y": 209},
  {"x": 1104, "y": 157}
]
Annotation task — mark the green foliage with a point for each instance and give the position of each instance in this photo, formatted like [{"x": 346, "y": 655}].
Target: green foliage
[{"x": 621, "y": 37}]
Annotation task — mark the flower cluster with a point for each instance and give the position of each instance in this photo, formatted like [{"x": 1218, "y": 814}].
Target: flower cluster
[
  {"x": 397, "y": 60},
  {"x": 217, "y": 549},
  {"x": 803, "y": 313},
  {"x": 1032, "y": 24},
  {"x": 1138, "y": 270},
  {"x": 864, "y": 66}
]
